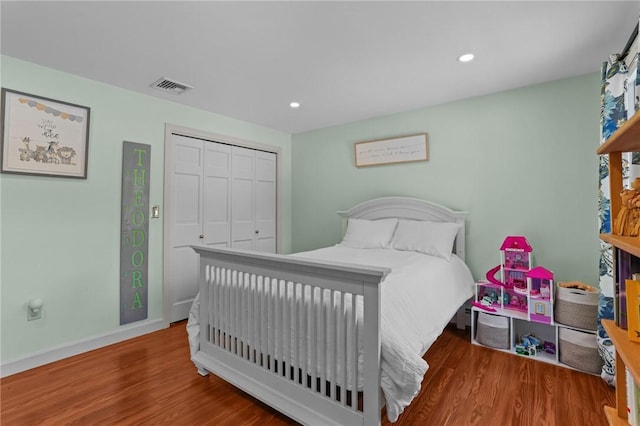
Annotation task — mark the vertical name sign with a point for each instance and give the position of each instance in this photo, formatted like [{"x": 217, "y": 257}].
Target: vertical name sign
[{"x": 134, "y": 224}]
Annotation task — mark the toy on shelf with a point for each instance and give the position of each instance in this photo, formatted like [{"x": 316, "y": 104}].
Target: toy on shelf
[
  {"x": 516, "y": 262},
  {"x": 522, "y": 287},
  {"x": 540, "y": 288},
  {"x": 489, "y": 294},
  {"x": 483, "y": 307},
  {"x": 549, "y": 347},
  {"x": 627, "y": 222},
  {"x": 529, "y": 345}
]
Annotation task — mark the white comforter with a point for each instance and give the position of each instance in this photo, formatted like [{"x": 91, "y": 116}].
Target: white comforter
[{"x": 419, "y": 297}]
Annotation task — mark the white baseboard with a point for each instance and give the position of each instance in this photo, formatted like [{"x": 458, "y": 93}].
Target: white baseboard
[{"x": 57, "y": 353}]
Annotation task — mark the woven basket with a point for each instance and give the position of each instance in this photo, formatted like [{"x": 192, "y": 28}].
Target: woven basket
[
  {"x": 493, "y": 331},
  {"x": 579, "y": 350},
  {"x": 577, "y": 307}
]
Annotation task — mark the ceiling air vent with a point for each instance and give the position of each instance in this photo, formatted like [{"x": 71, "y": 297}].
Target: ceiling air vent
[{"x": 172, "y": 86}]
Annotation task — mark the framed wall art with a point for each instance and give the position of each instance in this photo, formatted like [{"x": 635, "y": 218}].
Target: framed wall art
[
  {"x": 401, "y": 149},
  {"x": 42, "y": 136}
]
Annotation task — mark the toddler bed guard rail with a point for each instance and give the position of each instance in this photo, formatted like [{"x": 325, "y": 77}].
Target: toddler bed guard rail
[{"x": 279, "y": 327}]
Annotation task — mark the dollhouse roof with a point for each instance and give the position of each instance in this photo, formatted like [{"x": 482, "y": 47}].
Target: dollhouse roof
[
  {"x": 516, "y": 243},
  {"x": 540, "y": 272}
]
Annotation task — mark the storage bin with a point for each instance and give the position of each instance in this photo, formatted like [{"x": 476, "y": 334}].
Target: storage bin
[
  {"x": 579, "y": 349},
  {"x": 576, "y": 305},
  {"x": 493, "y": 330}
]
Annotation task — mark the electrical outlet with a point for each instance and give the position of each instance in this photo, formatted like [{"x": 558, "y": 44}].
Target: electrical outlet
[
  {"x": 34, "y": 314},
  {"x": 34, "y": 309}
]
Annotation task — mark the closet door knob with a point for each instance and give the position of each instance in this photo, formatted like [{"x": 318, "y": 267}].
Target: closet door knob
[
  {"x": 201, "y": 236},
  {"x": 257, "y": 231}
]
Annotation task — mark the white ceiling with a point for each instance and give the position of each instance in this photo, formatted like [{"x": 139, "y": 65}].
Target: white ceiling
[{"x": 343, "y": 61}]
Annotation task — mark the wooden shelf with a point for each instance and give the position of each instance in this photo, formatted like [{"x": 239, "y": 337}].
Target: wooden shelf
[
  {"x": 612, "y": 416},
  {"x": 625, "y": 139},
  {"x": 629, "y": 244},
  {"x": 629, "y": 351},
  {"x": 627, "y": 356}
]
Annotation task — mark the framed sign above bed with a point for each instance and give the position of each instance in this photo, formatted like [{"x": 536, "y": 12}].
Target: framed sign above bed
[{"x": 401, "y": 149}]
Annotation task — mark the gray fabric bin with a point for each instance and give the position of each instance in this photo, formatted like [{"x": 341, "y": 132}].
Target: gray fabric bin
[
  {"x": 493, "y": 331},
  {"x": 577, "y": 308},
  {"x": 579, "y": 350}
]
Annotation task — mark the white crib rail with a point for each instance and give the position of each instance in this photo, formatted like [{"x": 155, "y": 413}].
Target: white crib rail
[{"x": 287, "y": 330}]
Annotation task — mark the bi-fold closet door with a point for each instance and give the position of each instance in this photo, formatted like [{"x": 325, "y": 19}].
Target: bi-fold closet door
[
  {"x": 221, "y": 196},
  {"x": 253, "y": 200}
]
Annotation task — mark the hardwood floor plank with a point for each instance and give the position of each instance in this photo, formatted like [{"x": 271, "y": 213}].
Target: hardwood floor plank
[{"x": 150, "y": 380}]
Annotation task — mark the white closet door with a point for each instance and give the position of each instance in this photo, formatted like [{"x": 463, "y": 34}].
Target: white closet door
[
  {"x": 221, "y": 196},
  {"x": 186, "y": 223},
  {"x": 216, "y": 200},
  {"x": 265, "y": 202},
  {"x": 243, "y": 228}
]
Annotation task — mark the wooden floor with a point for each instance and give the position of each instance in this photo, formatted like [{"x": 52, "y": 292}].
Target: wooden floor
[{"x": 151, "y": 381}]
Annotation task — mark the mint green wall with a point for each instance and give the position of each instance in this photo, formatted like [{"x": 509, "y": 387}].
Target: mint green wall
[
  {"x": 522, "y": 162},
  {"x": 60, "y": 237}
]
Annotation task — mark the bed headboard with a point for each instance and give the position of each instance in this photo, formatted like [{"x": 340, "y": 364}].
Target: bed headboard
[{"x": 409, "y": 209}]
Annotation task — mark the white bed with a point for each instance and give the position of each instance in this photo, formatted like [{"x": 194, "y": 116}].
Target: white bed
[{"x": 285, "y": 328}]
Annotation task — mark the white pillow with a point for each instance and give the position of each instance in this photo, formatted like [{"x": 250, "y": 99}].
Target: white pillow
[
  {"x": 432, "y": 238},
  {"x": 362, "y": 233}
]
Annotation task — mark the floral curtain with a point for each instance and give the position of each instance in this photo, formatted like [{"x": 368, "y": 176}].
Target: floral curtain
[{"x": 614, "y": 110}]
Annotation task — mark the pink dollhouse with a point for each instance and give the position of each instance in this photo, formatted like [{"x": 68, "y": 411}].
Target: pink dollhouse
[
  {"x": 515, "y": 253},
  {"x": 523, "y": 288},
  {"x": 540, "y": 288}
]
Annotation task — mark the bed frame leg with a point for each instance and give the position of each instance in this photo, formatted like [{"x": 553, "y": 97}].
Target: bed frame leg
[{"x": 201, "y": 370}]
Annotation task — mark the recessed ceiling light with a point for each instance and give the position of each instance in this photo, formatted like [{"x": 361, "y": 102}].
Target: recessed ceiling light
[
  {"x": 467, "y": 57},
  {"x": 294, "y": 104}
]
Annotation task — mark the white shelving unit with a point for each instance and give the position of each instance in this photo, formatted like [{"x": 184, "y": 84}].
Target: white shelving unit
[{"x": 520, "y": 325}]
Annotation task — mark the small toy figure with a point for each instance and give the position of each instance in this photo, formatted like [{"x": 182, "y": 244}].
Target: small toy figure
[
  {"x": 530, "y": 340},
  {"x": 487, "y": 301},
  {"x": 529, "y": 345},
  {"x": 549, "y": 347}
]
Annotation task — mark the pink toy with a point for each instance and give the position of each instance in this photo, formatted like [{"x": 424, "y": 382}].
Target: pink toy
[
  {"x": 515, "y": 256},
  {"x": 483, "y": 307},
  {"x": 522, "y": 287},
  {"x": 491, "y": 276},
  {"x": 516, "y": 261},
  {"x": 540, "y": 285}
]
